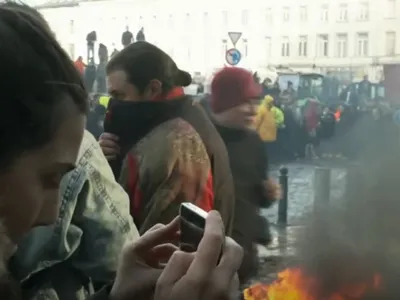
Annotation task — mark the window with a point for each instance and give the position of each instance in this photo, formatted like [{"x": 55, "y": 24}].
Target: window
[
  {"x": 341, "y": 45},
  {"x": 113, "y": 24},
  {"x": 268, "y": 46},
  {"x": 171, "y": 22},
  {"x": 205, "y": 19},
  {"x": 225, "y": 18},
  {"x": 156, "y": 21},
  {"x": 286, "y": 14},
  {"x": 224, "y": 47},
  {"x": 285, "y": 51},
  {"x": 390, "y": 43},
  {"x": 71, "y": 51},
  {"x": 71, "y": 27},
  {"x": 303, "y": 45},
  {"x": 324, "y": 13},
  {"x": 343, "y": 12},
  {"x": 303, "y": 13},
  {"x": 362, "y": 44},
  {"x": 268, "y": 16},
  {"x": 363, "y": 14},
  {"x": 245, "y": 47},
  {"x": 171, "y": 51},
  {"x": 188, "y": 21},
  {"x": 267, "y": 51},
  {"x": 323, "y": 44},
  {"x": 185, "y": 49},
  {"x": 245, "y": 17},
  {"x": 391, "y": 9}
]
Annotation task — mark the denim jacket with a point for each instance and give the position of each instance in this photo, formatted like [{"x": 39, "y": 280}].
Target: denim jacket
[{"x": 63, "y": 260}]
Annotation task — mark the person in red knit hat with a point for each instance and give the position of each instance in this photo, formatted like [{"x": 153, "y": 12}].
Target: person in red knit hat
[{"x": 235, "y": 97}]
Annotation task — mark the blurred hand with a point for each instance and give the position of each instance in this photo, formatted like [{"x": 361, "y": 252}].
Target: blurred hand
[
  {"x": 198, "y": 275},
  {"x": 109, "y": 144},
  {"x": 272, "y": 189},
  {"x": 139, "y": 266}
]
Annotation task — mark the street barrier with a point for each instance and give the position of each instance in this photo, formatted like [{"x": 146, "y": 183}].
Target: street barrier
[
  {"x": 283, "y": 203},
  {"x": 321, "y": 188}
]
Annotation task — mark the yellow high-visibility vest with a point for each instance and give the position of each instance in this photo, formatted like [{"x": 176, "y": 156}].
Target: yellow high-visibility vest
[{"x": 103, "y": 100}]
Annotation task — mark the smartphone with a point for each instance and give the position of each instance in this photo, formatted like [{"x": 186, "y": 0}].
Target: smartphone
[{"x": 193, "y": 222}]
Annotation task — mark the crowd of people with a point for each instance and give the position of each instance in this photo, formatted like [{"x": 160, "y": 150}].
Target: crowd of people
[
  {"x": 94, "y": 73},
  {"x": 289, "y": 127},
  {"x": 293, "y": 122},
  {"x": 94, "y": 214},
  {"x": 299, "y": 123},
  {"x": 89, "y": 219}
]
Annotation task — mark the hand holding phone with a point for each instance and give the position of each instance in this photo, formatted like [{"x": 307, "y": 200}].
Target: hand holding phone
[{"x": 192, "y": 224}]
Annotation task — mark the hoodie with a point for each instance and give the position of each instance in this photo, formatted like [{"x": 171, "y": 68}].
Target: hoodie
[{"x": 268, "y": 120}]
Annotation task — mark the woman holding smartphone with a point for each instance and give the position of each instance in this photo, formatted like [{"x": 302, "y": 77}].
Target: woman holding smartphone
[{"x": 45, "y": 105}]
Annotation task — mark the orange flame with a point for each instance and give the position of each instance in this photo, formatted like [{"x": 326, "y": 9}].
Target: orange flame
[{"x": 293, "y": 284}]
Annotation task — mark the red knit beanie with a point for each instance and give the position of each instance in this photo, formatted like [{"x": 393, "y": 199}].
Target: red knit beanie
[{"x": 232, "y": 87}]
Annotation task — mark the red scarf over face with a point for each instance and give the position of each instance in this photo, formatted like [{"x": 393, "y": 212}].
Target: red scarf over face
[{"x": 175, "y": 92}]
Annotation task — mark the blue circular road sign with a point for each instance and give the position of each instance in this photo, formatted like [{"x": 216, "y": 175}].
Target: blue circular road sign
[{"x": 233, "y": 56}]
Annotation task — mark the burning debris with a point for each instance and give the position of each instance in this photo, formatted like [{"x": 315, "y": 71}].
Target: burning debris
[
  {"x": 294, "y": 284},
  {"x": 350, "y": 251}
]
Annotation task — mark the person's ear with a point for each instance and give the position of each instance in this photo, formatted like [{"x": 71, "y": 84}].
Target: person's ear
[{"x": 154, "y": 89}]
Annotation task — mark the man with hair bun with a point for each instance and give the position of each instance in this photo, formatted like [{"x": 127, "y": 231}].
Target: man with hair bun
[
  {"x": 45, "y": 106},
  {"x": 161, "y": 145}
]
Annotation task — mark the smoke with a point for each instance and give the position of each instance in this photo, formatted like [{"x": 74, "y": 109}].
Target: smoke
[
  {"x": 349, "y": 243},
  {"x": 354, "y": 132}
]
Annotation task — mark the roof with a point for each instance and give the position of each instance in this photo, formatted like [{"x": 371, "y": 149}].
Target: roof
[
  {"x": 53, "y": 3},
  {"x": 40, "y": 4},
  {"x": 311, "y": 74}
]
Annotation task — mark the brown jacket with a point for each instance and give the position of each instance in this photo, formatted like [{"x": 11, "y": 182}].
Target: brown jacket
[
  {"x": 248, "y": 162},
  {"x": 171, "y": 153}
]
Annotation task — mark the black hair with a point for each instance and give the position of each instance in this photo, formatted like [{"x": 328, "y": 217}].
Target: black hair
[
  {"x": 37, "y": 77},
  {"x": 143, "y": 62}
]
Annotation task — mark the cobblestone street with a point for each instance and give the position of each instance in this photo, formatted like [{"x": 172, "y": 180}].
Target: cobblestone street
[
  {"x": 300, "y": 203},
  {"x": 301, "y": 194}
]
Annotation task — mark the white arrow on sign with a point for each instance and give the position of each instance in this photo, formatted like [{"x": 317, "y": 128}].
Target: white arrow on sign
[{"x": 235, "y": 37}]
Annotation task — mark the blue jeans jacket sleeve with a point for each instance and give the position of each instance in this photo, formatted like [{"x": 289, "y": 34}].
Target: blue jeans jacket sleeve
[
  {"x": 102, "y": 213},
  {"x": 93, "y": 225}
]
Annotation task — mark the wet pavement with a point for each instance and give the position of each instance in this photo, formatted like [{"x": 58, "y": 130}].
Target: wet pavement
[
  {"x": 278, "y": 254},
  {"x": 301, "y": 194}
]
